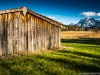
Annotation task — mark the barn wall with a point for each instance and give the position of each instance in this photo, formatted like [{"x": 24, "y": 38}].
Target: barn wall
[{"x": 21, "y": 34}]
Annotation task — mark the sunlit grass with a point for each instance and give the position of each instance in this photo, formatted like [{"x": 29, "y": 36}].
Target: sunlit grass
[{"x": 75, "y": 57}]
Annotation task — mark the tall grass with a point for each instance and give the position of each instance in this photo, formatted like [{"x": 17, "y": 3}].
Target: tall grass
[
  {"x": 79, "y": 34},
  {"x": 75, "y": 57}
]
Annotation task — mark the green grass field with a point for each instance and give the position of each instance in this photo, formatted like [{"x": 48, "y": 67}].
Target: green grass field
[{"x": 76, "y": 57}]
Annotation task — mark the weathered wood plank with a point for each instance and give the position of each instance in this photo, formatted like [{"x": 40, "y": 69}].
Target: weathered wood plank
[
  {"x": 4, "y": 34},
  {"x": 29, "y": 39},
  {"x": 35, "y": 38},
  {"x": 19, "y": 33},
  {"x": 22, "y": 33},
  {"x": 32, "y": 33},
  {"x": 0, "y": 34},
  {"x": 37, "y": 35},
  {"x": 59, "y": 37},
  {"x": 15, "y": 33},
  {"x": 25, "y": 33},
  {"x": 6, "y": 26},
  {"x": 10, "y": 33}
]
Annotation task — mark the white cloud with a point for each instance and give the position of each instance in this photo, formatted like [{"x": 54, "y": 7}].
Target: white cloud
[
  {"x": 52, "y": 17},
  {"x": 98, "y": 14},
  {"x": 89, "y": 13}
]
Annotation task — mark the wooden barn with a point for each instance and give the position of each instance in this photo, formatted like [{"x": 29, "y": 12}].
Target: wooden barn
[{"x": 24, "y": 31}]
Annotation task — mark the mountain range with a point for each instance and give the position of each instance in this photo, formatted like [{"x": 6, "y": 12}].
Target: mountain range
[{"x": 88, "y": 23}]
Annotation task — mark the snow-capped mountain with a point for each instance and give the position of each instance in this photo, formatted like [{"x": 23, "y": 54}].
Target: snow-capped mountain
[{"x": 88, "y": 22}]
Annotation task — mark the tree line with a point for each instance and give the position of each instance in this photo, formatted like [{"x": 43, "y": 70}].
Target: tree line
[{"x": 79, "y": 28}]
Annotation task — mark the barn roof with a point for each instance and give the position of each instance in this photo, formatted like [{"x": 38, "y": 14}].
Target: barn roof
[{"x": 25, "y": 10}]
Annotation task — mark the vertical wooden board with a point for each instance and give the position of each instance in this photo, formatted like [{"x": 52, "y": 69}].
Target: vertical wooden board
[
  {"x": 8, "y": 30},
  {"x": 25, "y": 33},
  {"x": 56, "y": 37},
  {"x": 38, "y": 25},
  {"x": 19, "y": 33},
  {"x": 45, "y": 24},
  {"x": 6, "y": 25},
  {"x": 13, "y": 30},
  {"x": 43, "y": 37},
  {"x": 10, "y": 34},
  {"x": 14, "y": 33},
  {"x": 49, "y": 38},
  {"x": 32, "y": 32},
  {"x": 35, "y": 40},
  {"x": 22, "y": 33},
  {"x": 22, "y": 26},
  {"x": 3, "y": 38},
  {"x": 37, "y": 46},
  {"x": 36, "y": 33},
  {"x": 46, "y": 36},
  {"x": 53, "y": 35},
  {"x": 29, "y": 42},
  {"x": 21, "y": 39},
  {"x": 39, "y": 34},
  {"x": 51, "y": 45},
  {"x": 59, "y": 37},
  {"x": 0, "y": 34}
]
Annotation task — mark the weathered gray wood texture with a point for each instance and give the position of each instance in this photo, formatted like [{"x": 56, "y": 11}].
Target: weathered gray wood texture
[{"x": 20, "y": 34}]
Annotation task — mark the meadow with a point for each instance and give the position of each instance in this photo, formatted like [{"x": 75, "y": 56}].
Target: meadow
[
  {"x": 75, "y": 57},
  {"x": 79, "y": 34}
]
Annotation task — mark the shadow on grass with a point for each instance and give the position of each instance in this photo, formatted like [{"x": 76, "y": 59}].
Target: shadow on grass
[
  {"x": 95, "y": 41},
  {"x": 73, "y": 65},
  {"x": 80, "y": 53},
  {"x": 95, "y": 58}
]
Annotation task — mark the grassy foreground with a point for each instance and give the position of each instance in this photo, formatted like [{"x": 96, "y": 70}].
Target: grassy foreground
[{"x": 77, "y": 57}]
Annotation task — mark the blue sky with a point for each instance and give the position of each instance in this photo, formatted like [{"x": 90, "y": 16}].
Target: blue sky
[{"x": 65, "y": 11}]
